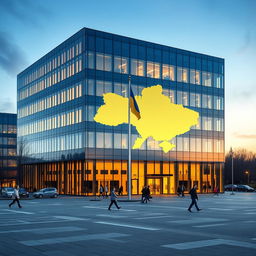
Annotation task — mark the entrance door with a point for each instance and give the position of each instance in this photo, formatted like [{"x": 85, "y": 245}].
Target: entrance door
[
  {"x": 135, "y": 186},
  {"x": 155, "y": 186}
]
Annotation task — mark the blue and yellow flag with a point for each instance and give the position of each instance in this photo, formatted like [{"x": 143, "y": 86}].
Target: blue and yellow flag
[{"x": 133, "y": 105}]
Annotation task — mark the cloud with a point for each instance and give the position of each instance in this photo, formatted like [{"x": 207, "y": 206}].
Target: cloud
[
  {"x": 12, "y": 58},
  {"x": 7, "y": 105},
  {"x": 27, "y": 11},
  {"x": 244, "y": 136}
]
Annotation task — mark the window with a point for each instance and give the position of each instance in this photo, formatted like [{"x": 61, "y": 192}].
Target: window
[
  {"x": 182, "y": 98},
  {"x": 218, "y": 80},
  {"x": 99, "y": 139},
  {"x": 90, "y": 113},
  {"x": 218, "y": 103},
  {"x": 192, "y": 100},
  {"x": 182, "y": 75},
  {"x": 137, "y": 67},
  {"x": 207, "y": 123},
  {"x": 157, "y": 70},
  {"x": 150, "y": 69},
  {"x": 99, "y": 88},
  {"x": 100, "y": 61},
  {"x": 117, "y": 140},
  {"x": 168, "y": 72},
  {"x": 172, "y": 96},
  {"x": 91, "y": 139},
  {"x": 103, "y": 62},
  {"x": 124, "y": 141},
  {"x": 121, "y": 65},
  {"x": 206, "y": 79},
  {"x": 192, "y": 76},
  {"x": 90, "y": 87},
  {"x": 108, "y": 140},
  {"x": 207, "y": 101},
  {"x": 165, "y": 72},
  {"x": 218, "y": 124},
  {"x": 91, "y": 63},
  {"x": 197, "y": 77}
]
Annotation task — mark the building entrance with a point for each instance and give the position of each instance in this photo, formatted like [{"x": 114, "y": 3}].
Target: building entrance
[{"x": 155, "y": 185}]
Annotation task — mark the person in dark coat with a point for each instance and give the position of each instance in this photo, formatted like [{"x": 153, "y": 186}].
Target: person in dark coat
[
  {"x": 113, "y": 198},
  {"x": 183, "y": 190},
  {"x": 120, "y": 191},
  {"x": 194, "y": 199},
  {"x": 179, "y": 191},
  {"x": 143, "y": 194}
]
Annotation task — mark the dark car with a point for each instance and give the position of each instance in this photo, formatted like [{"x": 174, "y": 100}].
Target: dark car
[
  {"x": 46, "y": 192},
  {"x": 245, "y": 188},
  {"x": 229, "y": 187},
  {"x": 23, "y": 192}
]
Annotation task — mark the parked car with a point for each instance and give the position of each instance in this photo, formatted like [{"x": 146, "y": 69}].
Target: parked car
[
  {"x": 245, "y": 188},
  {"x": 23, "y": 192},
  {"x": 7, "y": 192},
  {"x": 229, "y": 187},
  {"x": 46, "y": 192}
]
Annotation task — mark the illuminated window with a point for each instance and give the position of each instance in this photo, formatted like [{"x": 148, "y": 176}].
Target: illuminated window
[
  {"x": 192, "y": 76},
  {"x": 166, "y": 72},
  {"x": 124, "y": 141},
  {"x": 137, "y": 67},
  {"x": 150, "y": 69},
  {"x": 182, "y": 75},
  {"x": 121, "y": 65},
  {"x": 206, "y": 79},
  {"x": 197, "y": 77},
  {"x": 172, "y": 96},
  {"x": 157, "y": 70}
]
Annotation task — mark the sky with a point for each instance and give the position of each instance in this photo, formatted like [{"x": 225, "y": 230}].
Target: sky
[{"x": 223, "y": 28}]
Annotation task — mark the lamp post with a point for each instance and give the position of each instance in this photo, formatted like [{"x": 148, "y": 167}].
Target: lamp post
[
  {"x": 248, "y": 176},
  {"x": 232, "y": 170}
]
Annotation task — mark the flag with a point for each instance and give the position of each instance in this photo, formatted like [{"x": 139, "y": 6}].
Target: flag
[{"x": 133, "y": 105}]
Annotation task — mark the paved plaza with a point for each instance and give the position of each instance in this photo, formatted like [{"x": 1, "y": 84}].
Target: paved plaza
[{"x": 70, "y": 226}]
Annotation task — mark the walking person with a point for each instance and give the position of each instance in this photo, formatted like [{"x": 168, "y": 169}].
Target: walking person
[
  {"x": 146, "y": 194},
  {"x": 120, "y": 191},
  {"x": 113, "y": 199},
  {"x": 194, "y": 199},
  {"x": 106, "y": 191},
  {"x": 183, "y": 190},
  {"x": 101, "y": 191},
  {"x": 143, "y": 194},
  {"x": 216, "y": 191},
  {"x": 16, "y": 197},
  {"x": 179, "y": 191}
]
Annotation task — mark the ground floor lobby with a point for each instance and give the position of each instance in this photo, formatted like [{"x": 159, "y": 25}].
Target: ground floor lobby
[{"x": 85, "y": 177}]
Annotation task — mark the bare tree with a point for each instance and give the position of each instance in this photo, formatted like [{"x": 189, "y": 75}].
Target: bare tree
[{"x": 244, "y": 165}]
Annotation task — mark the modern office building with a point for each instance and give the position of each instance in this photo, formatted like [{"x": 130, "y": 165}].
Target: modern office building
[
  {"x": 59, "y": 94},
  {"x": 8, "y": 145}
]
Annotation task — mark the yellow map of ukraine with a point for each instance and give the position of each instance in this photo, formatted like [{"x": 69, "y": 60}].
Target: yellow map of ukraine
[{"x": 160, "y": 119}]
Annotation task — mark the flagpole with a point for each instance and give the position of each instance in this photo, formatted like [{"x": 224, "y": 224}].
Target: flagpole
[{"x": 129, "y": 143}]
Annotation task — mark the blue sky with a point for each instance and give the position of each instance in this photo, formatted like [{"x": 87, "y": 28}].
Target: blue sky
[{"x": 224, "y": 28}]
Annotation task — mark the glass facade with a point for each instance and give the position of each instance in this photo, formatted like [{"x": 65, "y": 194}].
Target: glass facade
[
  {"x": 59, "y": 95},
  {"x": 8, "y": 145}
]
